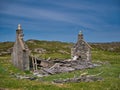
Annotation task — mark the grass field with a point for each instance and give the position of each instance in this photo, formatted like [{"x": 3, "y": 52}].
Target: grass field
[{"x": 110, "y": 73}]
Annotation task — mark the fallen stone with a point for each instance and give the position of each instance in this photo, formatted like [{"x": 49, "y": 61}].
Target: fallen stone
[
  {"x": 83, "y": 78},
  {"x": 66, "y": 66}
]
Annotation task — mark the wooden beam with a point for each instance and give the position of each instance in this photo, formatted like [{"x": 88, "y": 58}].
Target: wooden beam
[{"x": 33, "y": 63}]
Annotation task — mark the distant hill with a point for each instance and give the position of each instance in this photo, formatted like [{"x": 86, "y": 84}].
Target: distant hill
[
  {"x": 56, "y": 47},
  {"x": 111, "y": 46}
]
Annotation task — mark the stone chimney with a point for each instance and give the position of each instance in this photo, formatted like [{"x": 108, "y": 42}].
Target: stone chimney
[
  {"x": 81, "y": 50},
  {"x": 20, "y": 54},
  {"x": 19, "y": 32},
  {"x": 80, "y": 36}
]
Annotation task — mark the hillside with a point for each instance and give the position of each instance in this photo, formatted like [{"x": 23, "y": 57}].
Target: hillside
[
  {"x": 56, "y": 49},
  {"x": 109, "y": 69},
  {"x": 111, "y": 46},
  {"x": 53, "y": 49}
]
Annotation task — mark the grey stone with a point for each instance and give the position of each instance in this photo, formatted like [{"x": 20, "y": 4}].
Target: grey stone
[
  {"x": 81, "y": 50},
  {"x": 84, "y": 78},
  {"x": 20, "y": 54}
]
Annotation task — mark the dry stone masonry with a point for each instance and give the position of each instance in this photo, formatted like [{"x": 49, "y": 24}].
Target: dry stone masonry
[
  {"x": 80, "y": 59},
  {"x": 20, "y": 54},
  {"x": 81, "y": 50},
  {"x": 80, "y": 53}
]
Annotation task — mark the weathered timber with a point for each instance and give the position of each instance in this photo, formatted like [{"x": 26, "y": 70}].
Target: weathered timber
[{"x": 66, "y": 66}]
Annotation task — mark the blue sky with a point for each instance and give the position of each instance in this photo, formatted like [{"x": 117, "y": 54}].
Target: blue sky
[{"x": 61, "y": 20}]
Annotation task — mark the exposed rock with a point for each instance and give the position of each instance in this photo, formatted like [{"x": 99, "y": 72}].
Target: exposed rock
[
  {"x": 40, "y": 50},
  {"x": 63, "y": 52},
  {"x": 18, "y": 76},
  {"x": 31, "y": 41},
  {"x": 4, "y": 52},
  {"x": 82, "y": 78},
  {"x": 10, "y": 50}
]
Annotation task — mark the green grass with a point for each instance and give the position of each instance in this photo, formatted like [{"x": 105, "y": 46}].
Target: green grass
[
  {"x": 53, "y": 49},
  {"x": 110, "y": 74},
  {"x": 55, "y": 56}
]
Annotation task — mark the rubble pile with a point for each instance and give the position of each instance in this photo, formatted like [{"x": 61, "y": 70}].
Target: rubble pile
[
  {"x": 66, "y": 66},
  {"x": 82, "y": 78}
]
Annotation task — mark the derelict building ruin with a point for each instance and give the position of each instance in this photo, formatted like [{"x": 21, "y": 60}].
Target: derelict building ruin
[
  {"x": 81, "y": 50},
  {"x": 20, "y": 54},
  {"x": 80, "y": 56}
]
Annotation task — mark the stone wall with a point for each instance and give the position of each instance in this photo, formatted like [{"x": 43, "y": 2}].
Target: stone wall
[
  {"x": 20, "y": 54},
  {"x": 81, "y": 50}
]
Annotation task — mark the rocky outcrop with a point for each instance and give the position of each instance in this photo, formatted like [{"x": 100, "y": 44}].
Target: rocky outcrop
[{"x": 40, "y": 50}]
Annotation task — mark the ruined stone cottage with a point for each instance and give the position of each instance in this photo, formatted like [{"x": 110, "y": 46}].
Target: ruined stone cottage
[
  {"x": 20, "y": 54},
  {"x": 21, "y": 57},
  {"x": 81, "y": 50}
]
